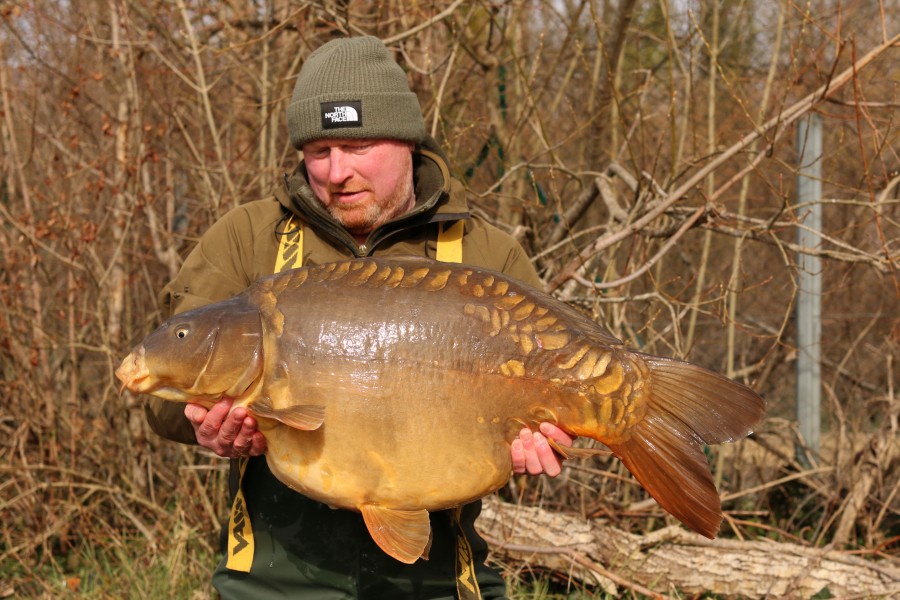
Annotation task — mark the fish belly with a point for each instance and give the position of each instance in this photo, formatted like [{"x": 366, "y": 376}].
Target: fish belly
[{"x": 405, "y": 438}]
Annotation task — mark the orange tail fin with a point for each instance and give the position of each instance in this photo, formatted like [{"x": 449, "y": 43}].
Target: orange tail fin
[{"x": 689, "y": 406}]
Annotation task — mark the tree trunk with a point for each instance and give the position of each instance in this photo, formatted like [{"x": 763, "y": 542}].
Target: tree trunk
[{"x": 675, "y": 559}]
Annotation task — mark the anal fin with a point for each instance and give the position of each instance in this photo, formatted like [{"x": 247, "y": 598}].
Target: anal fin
[
  {"x": 305, "y": 417},
  {"x": 673, "y": 468},
  {"x": 402, "y": 534}
]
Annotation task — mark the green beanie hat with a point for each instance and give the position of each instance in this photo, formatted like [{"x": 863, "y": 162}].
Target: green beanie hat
[{"x": 353, "y": 88}]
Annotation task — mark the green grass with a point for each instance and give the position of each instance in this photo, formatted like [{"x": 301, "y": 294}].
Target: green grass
[{"x": 115, "y": 569}]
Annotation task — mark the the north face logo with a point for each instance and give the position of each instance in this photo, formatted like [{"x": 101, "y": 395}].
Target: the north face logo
[
  {"x": 347, "y": 113},
  {"x": 342, "y": 114}
]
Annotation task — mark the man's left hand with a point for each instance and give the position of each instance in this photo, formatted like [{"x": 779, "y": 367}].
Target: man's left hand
[{"x": 533, "y": 455}]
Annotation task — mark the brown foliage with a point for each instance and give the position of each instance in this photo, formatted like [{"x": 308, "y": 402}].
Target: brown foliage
[{"x": 645, "y": 156}]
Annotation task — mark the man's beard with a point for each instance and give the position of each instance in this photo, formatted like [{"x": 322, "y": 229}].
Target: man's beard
[{"x": 360, "y": 220}]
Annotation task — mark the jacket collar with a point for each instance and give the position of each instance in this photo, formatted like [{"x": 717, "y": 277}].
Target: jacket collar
[{"x": 438, "y": 198}]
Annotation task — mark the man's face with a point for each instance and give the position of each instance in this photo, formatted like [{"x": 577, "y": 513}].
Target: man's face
[{"x": 362, "y": 183}]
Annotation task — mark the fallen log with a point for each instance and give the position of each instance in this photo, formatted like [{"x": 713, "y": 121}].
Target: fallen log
[{"x": 673, "y": 559}]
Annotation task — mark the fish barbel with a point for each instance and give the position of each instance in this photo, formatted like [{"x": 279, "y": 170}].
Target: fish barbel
[{"x": 394, "y": 387}]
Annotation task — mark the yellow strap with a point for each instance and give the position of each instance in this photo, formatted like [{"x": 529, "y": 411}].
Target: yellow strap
[
  {"x": 290, "y": 250},
  {"x": 466, "y": 583},
  {"x": 240, "y": 533},
  {"x": 449, "y": 243},
  {"x": 449, "y": 249}
]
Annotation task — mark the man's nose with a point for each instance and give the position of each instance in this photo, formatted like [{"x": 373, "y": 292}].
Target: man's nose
[{"x": 340, "y": 167}]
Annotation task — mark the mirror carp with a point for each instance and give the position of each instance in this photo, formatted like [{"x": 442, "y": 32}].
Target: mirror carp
[{"x": 394, "y": 386}]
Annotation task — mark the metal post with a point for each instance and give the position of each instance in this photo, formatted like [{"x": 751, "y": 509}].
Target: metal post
[{"x": 809, "y": 295}]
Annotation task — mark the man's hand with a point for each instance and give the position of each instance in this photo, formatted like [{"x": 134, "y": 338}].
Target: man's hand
[
  {"x": 532, "y": 454},
  {"x": 229, "y": 434}
]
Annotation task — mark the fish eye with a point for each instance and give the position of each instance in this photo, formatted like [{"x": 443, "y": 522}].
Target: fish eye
[{"x": 182, "y": 331}]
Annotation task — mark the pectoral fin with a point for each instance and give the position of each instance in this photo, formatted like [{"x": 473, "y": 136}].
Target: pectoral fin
[
  {"x": 403, "y": 534},
  {"x": 301, "y": 416}
]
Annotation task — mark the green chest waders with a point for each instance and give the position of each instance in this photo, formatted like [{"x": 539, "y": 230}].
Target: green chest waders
[{"x": 240, "y": 547}]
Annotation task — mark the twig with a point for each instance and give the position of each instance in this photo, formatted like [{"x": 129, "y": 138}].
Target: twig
[
  {"x": 425, "y": 24},
  {"x": 790, "y": 115}
]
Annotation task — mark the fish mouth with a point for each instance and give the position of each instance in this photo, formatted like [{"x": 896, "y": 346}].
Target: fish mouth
[
  {"x": 133, "y": 372},
  {"x": 135, "y": 377}
]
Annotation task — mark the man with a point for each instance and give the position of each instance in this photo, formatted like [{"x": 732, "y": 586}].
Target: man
[{"x": 372, "y": 181}]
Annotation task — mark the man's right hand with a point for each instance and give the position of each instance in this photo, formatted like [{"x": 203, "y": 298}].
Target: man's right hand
[{"x": 230, "y": 434}]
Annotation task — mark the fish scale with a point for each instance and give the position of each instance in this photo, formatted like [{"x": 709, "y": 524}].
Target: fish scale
[
  {"x": 394, "y": 387},
  {"x": 529, "y": 325}
]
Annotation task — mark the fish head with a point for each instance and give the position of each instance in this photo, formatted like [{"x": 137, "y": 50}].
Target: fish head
[{"x": 201, "y": 355}]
